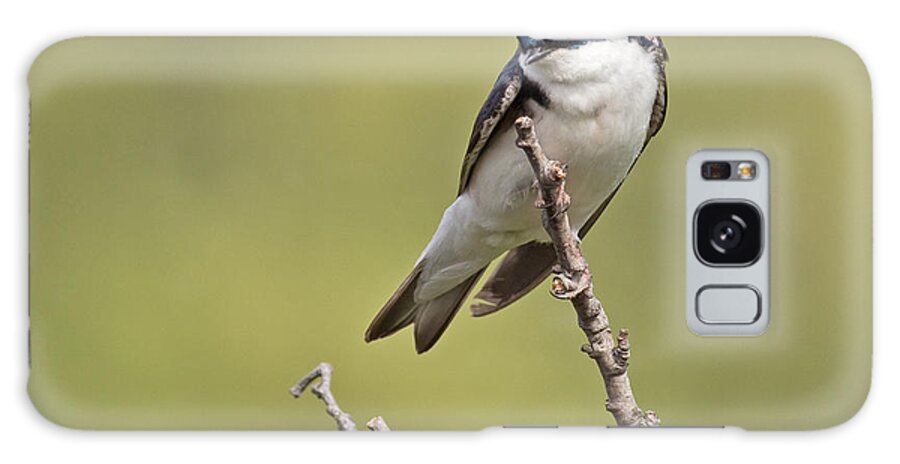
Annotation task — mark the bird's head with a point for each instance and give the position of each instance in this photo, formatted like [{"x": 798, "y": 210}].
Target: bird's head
[
  {"x": 574, "y": 61},
  {"x": 555, "y": 60},
  {"x": 533, "y": 50}
]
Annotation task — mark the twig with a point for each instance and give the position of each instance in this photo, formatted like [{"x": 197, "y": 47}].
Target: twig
[
  {"x": 574, "y": 283},
  {"x": 323, "y": 391}
]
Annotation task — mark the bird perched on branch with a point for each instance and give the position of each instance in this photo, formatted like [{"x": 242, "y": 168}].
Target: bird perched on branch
[{"x": 595, "y": 105}]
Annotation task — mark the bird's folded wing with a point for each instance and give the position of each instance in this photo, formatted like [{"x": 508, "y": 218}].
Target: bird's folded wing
[{"x": 499, "y": 101}]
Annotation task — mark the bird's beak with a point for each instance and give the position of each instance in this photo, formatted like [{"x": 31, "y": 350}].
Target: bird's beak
[
  {"x": 533, "y": 49},
  {"x": 526, "y": 42},
  {"x": 536, "y": 54}
]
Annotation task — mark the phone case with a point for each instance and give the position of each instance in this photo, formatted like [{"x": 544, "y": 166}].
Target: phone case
[{"x": 212, "y": 218}]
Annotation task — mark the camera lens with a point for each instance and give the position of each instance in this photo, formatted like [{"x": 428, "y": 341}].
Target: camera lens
[{"x": 728, "y": 233}]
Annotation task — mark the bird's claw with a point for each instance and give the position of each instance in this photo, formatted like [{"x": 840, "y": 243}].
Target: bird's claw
[{"x": 566, "y": 288}]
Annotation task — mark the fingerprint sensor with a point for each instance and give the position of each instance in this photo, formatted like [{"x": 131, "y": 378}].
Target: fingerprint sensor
[{"x": 728, "y": 304}]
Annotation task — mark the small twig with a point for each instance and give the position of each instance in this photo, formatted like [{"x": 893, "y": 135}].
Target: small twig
[
  {"x": 574, "y": 283},
  {"x": 323, "y": 391}
]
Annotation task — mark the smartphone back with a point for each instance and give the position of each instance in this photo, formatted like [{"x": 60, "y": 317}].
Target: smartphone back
[{"x": 210, "y": 218}]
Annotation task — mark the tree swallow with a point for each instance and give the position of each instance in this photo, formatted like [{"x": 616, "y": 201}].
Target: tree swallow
[{"x": 595, "y": 105}]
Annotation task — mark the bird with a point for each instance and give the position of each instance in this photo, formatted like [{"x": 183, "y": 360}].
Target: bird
[{"x": 595, "y": 105}]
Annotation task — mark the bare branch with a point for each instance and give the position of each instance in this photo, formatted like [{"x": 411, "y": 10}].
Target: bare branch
[
  {"x": 323, "y": 391},
  {"x": 574, "y": 283}
]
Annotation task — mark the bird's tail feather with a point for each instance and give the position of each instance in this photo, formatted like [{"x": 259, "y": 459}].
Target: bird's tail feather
[
  {"x": 431, "y": 317},
  {"x": 399, "y": 311}
]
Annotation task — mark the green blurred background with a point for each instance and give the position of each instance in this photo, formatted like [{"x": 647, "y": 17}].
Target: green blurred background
[{"x": 210, "y": 218}]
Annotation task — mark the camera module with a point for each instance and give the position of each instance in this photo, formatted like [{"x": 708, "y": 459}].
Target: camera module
[{"x": 728, "y": 233}]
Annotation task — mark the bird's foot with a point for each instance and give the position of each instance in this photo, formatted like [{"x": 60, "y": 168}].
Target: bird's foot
[{"x": 565, "y": 286}]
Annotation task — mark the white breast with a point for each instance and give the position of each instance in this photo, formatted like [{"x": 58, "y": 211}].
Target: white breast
[{"x": 601, "y": 98}]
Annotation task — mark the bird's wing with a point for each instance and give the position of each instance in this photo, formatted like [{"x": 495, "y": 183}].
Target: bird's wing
[
  {"x": 658, "y": 114},
  {"x": 498, "y": 102},
  {"x": 526, "y": 266}
]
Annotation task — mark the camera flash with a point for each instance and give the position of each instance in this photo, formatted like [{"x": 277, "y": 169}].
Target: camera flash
[{"x": 746, "y": 170}]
